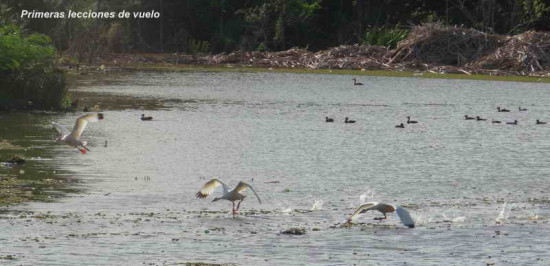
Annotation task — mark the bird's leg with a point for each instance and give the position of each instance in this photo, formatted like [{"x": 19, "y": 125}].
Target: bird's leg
[
  {"x": 234, "y": 212},
  {"x": 239, "y": 204},
  {"x": 381, "y": 218}
]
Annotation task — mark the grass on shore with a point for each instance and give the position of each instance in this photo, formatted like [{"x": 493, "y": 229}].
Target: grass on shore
[{"x": 382, "y": 73}]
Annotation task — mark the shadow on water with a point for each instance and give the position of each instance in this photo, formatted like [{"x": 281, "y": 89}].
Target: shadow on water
[{"x": 26, "y": 135}]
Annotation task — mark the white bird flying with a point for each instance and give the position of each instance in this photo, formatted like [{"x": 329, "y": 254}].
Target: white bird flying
[
  {"x": 230, "y": 195},
  {"x": 73, "y": 138},
  {"x": 384, "y": 208}
]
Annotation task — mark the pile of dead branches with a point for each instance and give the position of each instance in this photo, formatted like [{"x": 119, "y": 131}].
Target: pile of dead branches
[
  {"x": 348, "y": 57},
  {"x": 443, "y": 45},
  {"x": 341, "y": 57},
  {"x": 431, "y": 47},
  {"x": 526, "y": 52}
]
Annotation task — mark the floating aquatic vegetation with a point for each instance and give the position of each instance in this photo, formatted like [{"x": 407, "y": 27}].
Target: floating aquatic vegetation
[{"x": 294, "y": 231}]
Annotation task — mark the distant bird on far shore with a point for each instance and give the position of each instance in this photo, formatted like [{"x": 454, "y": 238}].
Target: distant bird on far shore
[
  {"x": 522, "y": 109},
  {"x": 540, "y": 122},
  {"x": 502, "y": 109},
  {"x": 146, "y": 118},
  {"x": 512, "y": 123},
  {"x": 409, "y": 121},
  {"x": 400, "y": 126},
  {"x": 469, "y": 117},
  {"x": 347, "y": 121},
  {"x": 230, "y": 195},
  {"x": 480, "y": 119},
  {"x": 329, "y": 120},
  {"x": 357, "y": 83},
  {"x": 73, "y": 138},
  {"x": 384, "y": 208},
  {"x": 495, "y": 121}
]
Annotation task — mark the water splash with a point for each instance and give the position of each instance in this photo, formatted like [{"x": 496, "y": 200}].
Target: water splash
[
  {"x": 504, "y": 214},
  {"x": 317, "y": 205},
  {"x": 284, "y": 207},
  {"x": 367, "y": 196},
  {"x": 459, "y": 219},
  {"x": 533, "y": 215},
  {"x": 285, "y": 210}
]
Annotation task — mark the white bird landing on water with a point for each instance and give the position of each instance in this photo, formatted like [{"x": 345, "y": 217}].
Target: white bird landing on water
[
  {"x": 73, "y": 138},
  {"x": 384, "y": 208},
  {"x": 230, "y": 195}
]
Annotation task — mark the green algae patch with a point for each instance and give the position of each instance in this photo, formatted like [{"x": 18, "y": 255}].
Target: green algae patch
[
  {"x": 14, "y": 190},
  {"x": 6, "y": 145}
]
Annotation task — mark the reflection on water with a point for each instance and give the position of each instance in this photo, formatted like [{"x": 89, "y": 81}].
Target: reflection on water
[{"x": 268, "y": 129}]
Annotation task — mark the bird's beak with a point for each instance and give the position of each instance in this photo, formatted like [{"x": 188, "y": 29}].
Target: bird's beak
[{"x": 86, "y": 148}]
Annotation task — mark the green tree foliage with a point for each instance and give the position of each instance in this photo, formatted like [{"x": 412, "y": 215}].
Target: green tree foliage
[
  {"x": 28, "y": 76},
  {"x": 18, "y": 52},
  {"x": 228, "y": 25}
]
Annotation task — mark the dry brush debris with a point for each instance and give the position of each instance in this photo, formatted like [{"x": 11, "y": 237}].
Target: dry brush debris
[{"x": 430, "y": 47}]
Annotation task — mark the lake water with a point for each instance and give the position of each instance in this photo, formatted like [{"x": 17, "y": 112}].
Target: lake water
[{"x": 456, "y": 177}]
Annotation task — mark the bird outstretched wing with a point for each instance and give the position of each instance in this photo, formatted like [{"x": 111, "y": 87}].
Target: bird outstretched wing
[
  {"x": 404, "y": 216},
  {"x": 242, "y": 186},
  {"x": 61, "y": 130},
  {"x": 362, "y": 209},
  {"x": 209, "y": 187},
  {"x": 82, "y": 121}
]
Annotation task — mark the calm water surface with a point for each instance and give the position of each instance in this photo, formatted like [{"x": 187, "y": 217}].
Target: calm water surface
[{"x": 456, "y": 177}]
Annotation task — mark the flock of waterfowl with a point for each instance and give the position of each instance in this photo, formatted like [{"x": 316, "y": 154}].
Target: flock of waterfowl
[
  {"x": 409, "y": 121},
  {"x": 503, "y": 110},
  {"x": 466, "y": 117},
  {"x": 346, "y": 120}
]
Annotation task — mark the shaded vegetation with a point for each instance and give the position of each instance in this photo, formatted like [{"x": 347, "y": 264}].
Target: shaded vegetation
[
  {"x": 215, "y": 26},
  {"x": 385, "y": 37},
  {"x": 29, "y": 78}
]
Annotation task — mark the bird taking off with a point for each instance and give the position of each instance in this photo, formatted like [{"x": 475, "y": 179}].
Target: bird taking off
[
  {"x": 384, "y": 208},
  {"x": 72, "y": 138},
  {"x": 230, "y": 195}
]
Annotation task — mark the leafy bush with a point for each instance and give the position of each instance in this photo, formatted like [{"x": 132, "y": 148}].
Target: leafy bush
[
  {"x": 385, "y": 37},
  {"x": 17, "y": 51},
  {"x": 198, "y": 46},
  {"x": 29, "y": 78}
]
